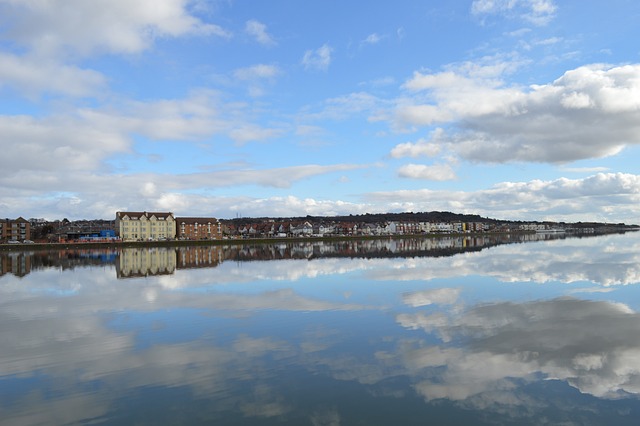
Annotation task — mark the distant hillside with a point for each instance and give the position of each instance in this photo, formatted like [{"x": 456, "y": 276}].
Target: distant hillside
[
  {"x": 374, "y": 218},
  {"x": 435, "y": 216}
]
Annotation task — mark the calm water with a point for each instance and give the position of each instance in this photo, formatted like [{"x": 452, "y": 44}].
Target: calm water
[{"x": 446, "y": 331}]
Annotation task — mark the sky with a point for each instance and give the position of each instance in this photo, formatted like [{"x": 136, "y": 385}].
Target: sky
[{"x": 510, "y": 109}]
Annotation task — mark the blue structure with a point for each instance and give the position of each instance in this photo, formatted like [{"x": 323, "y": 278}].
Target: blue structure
[{"x": 105, "y": 234}]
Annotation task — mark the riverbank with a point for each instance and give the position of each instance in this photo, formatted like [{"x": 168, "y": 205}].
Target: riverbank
[{"x": 240, "y": 241}]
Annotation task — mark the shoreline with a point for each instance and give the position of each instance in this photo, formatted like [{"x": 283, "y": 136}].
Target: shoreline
[{"x": 242, "y": 241}]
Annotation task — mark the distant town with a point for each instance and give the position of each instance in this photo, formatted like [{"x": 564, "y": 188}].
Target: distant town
[{"x": 165, "y": 226}]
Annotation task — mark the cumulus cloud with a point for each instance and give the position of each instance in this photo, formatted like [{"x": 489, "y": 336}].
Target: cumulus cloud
[
  {"x": 52, "y": 33},
  {"x": 258, "y": 30},
  {"x": 318, "y": 59},
  {"x": 116, "y": 26},
  {"x": 589, "y": 112},
  {"x": 421, "y": 148}
]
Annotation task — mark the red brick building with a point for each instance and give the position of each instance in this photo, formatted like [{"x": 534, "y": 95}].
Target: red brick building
[
  {"x": 15, "y": 230},
  {"x": 198, "y": 228}
]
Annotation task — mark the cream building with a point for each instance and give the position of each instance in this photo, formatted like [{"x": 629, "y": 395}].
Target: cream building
[{"x": 145, "y": 226}]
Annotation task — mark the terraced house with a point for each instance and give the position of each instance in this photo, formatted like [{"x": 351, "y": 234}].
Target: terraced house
[{"x": 145, "y": 226}]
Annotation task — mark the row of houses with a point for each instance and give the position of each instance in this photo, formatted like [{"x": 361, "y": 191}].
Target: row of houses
[
  {"x": 157, "y": 226},
  {"x": 307, "y": 228},
  {"x": 136, "y": 226}
]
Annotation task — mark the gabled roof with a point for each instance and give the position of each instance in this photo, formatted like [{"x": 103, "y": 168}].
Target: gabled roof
[
  {"x": 200, "y": 220},
  {"x": 138, "y": 215},
  {"x": 20, "y": 220}
]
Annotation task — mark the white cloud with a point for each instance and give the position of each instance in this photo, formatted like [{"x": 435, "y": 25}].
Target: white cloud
[
  {"x": 548, "y": 41},
  {"x": 83, "y": 139},
  {"x": 51, "y": 32},
  {"x": 50, "y": 27},
  {"x": 55, "y": 144},
  {"x": 589, "y": 112},
  {"x": 253, "y": 133},
  {"x": 373, "y": 39},
  {"x": 599, "y": 196},
  {"x": 382, "y": 82},
  {"x": 197, "y": 116},
  {"x": 319, "y": 59},
  {"x": 343, "y": 107},
  {"x": 538, "y": 12},
  {"x": 257, "y": 76},
  {"x": 437, "y": 172},
  {"x": 81, "y": 193},
  {"x": 421, "y": 148},
  {"x": 289, "y": 206},
  {"x": 47, "y": 193},
  {"x": 259, "y": 71},
  {"x": 259, "y": 31},
  {"x": 33, "y": 76}
]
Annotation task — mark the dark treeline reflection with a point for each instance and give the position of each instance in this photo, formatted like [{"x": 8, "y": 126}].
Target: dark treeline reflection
[{"x": 145, "y": 261}]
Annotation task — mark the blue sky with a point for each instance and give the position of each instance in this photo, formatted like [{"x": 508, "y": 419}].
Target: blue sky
[{"x": 511, "y": 109}]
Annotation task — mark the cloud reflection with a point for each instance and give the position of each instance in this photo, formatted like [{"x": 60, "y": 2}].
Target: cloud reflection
[
  {"x": 592, "y": 345},
  {"x": 71, "y": 337},
  {"x": 232, "y": 333},
  {"x": 607, "y": 261}
]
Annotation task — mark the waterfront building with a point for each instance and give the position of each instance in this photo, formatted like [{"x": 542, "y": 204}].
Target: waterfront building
[
  {"x": 198, "y": 228},
  {"x": 145, "y": 226},
  {"x": 15, "y": 230}
]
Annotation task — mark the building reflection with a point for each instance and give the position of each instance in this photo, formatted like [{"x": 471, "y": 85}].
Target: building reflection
[
  {"x": 133, "y": 262},
  {"x": 142, "y": 262},
  {"x": 21, "y": 263},
  {"x": 199, "y": 257},
  {"x": 18, "y": 264}
]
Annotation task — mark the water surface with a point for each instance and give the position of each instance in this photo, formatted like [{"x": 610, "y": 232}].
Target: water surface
[{"x": 419, "y": 331}]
